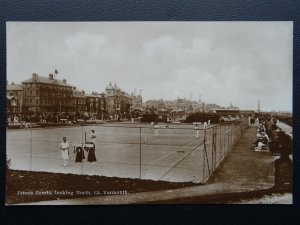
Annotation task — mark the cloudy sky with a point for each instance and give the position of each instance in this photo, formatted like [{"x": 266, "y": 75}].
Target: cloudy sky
[{"x": 219, "y": 62}]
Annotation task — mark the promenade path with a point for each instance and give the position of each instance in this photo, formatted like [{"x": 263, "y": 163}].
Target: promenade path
[{"x": 243, "y": 170}]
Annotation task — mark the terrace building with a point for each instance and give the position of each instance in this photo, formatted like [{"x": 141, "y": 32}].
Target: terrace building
[
  {"x": 47, "y": 94},
  {"x": 95, "y": 103},
  {"x": 79, "y": 100}
]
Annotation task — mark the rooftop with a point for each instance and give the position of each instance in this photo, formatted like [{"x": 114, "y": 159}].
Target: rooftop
[
  {"x": 14, "y": 87},
  {"x": 46, "y": 80}
]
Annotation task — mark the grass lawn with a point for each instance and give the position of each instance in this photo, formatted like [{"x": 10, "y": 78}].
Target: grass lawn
[{"x": 28, "y": 186}]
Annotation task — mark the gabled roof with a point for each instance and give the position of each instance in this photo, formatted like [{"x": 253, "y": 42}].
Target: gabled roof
[
  {"x": 46, "y": 80},
  {"x": 14, "y": 87},
  {"x": 9, "y": 97}
]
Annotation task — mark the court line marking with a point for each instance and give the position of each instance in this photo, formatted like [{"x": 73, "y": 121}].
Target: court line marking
[
  {"x": 164, "y": 156},
  {"x": 174, "y": 152}
]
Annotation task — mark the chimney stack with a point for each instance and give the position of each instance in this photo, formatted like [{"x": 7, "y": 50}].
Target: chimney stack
[
  {"x": 65, "y": 81},
  {"x": 51, "y": 76},
  {"x": 34, "y": 77}
]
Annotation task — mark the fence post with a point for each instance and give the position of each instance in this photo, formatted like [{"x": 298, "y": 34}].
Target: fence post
[
  {"x": 30, "y": 156},
  {"x": 203, "y": 169},
  {"x": 212, "y": 150},
  {"x": 82, "y": 148},
  {"x": 220, "y": 149},
  {"x": 140, "y": 173}
]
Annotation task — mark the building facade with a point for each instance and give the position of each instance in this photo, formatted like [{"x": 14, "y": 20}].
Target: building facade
[
  {"x": 95, "y": 104},
  {"x": 12, "y": 106},
  {"x": 16, "y": 91},
  {"x": 47, "y": 94},
  {"x": 118, "y": 102},
  {"x": 79, "y": 102}
]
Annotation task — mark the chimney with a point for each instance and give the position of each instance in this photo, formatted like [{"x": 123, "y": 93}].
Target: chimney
[
  {"x": 51, "y": 76},
  {"x": 34, "y": 77},
  {"x": 65, "y": 81},
  {"x": 13, "y": 83}
]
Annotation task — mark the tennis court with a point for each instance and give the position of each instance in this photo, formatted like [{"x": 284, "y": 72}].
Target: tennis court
[{"x": 127, "y": 150}]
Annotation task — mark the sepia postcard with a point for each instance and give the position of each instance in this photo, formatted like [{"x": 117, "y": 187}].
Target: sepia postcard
[{"x": 119, "y": 113}]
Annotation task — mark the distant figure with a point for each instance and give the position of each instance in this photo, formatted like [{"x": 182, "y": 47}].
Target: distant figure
[
  {"x": 152, "y": 124},
  {"x": 91, "y": 155},
  {"x": 16, "y": 119},
  {"x": 156, "y": 127},
  {"x": 205, "y": 125},
  {"x": 197, "y": 131},
  {"x": 252, "y": 121},
  {"x": 257, "y": 121},
  {"x": 208, "y": 123},
  {"x": 26, "y": 126},
  {"x": 64, "y": 147}
]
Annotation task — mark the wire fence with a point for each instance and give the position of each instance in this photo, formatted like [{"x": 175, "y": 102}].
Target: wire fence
[{"x": 178, "y": 153}]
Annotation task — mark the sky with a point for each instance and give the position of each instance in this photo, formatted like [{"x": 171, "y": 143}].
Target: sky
[{"x": 224, "y": 63}]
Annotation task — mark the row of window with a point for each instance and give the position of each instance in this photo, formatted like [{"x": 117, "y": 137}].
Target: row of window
[
  {"x": 51, "y": 87},
  {"x": 46, "y": 94},
  {"x": 15, "y": 93}
]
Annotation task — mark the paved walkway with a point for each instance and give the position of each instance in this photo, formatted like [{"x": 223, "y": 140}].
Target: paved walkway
[{"x": 243, "y": 170}]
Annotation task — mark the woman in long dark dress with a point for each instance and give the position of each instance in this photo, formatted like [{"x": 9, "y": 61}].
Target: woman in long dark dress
[
  {"x": 79, "y": 154},
  {"x": 91, "y": 155}
]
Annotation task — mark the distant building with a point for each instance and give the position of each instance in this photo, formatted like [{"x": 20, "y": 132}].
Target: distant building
[
  {"x": 231, "y": 107},
  {"x": 47, "y": 94},
  {"x": 12, "y": 105},
  {"x": 118, "y": 102},
  {"x": 16, "y": 91},
  {"x": 95, "y": 103},
  {"x": 137, "y": 101},
  {"x": 184, "y": 105},
  {"x": 79, "y": 103},
  {"x": 212, "y": 107},
  {"x": 154, "y": 104}
]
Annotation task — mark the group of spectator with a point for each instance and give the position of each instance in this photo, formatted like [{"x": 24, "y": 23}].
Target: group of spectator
[
  {"x": 53, "y": 118},
  {"x": 270, "y": 136}
]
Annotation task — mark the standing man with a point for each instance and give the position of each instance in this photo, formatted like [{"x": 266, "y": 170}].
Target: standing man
[
  {"x": 205, "y": 125},
  {"x": 64, "y": 147}
]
